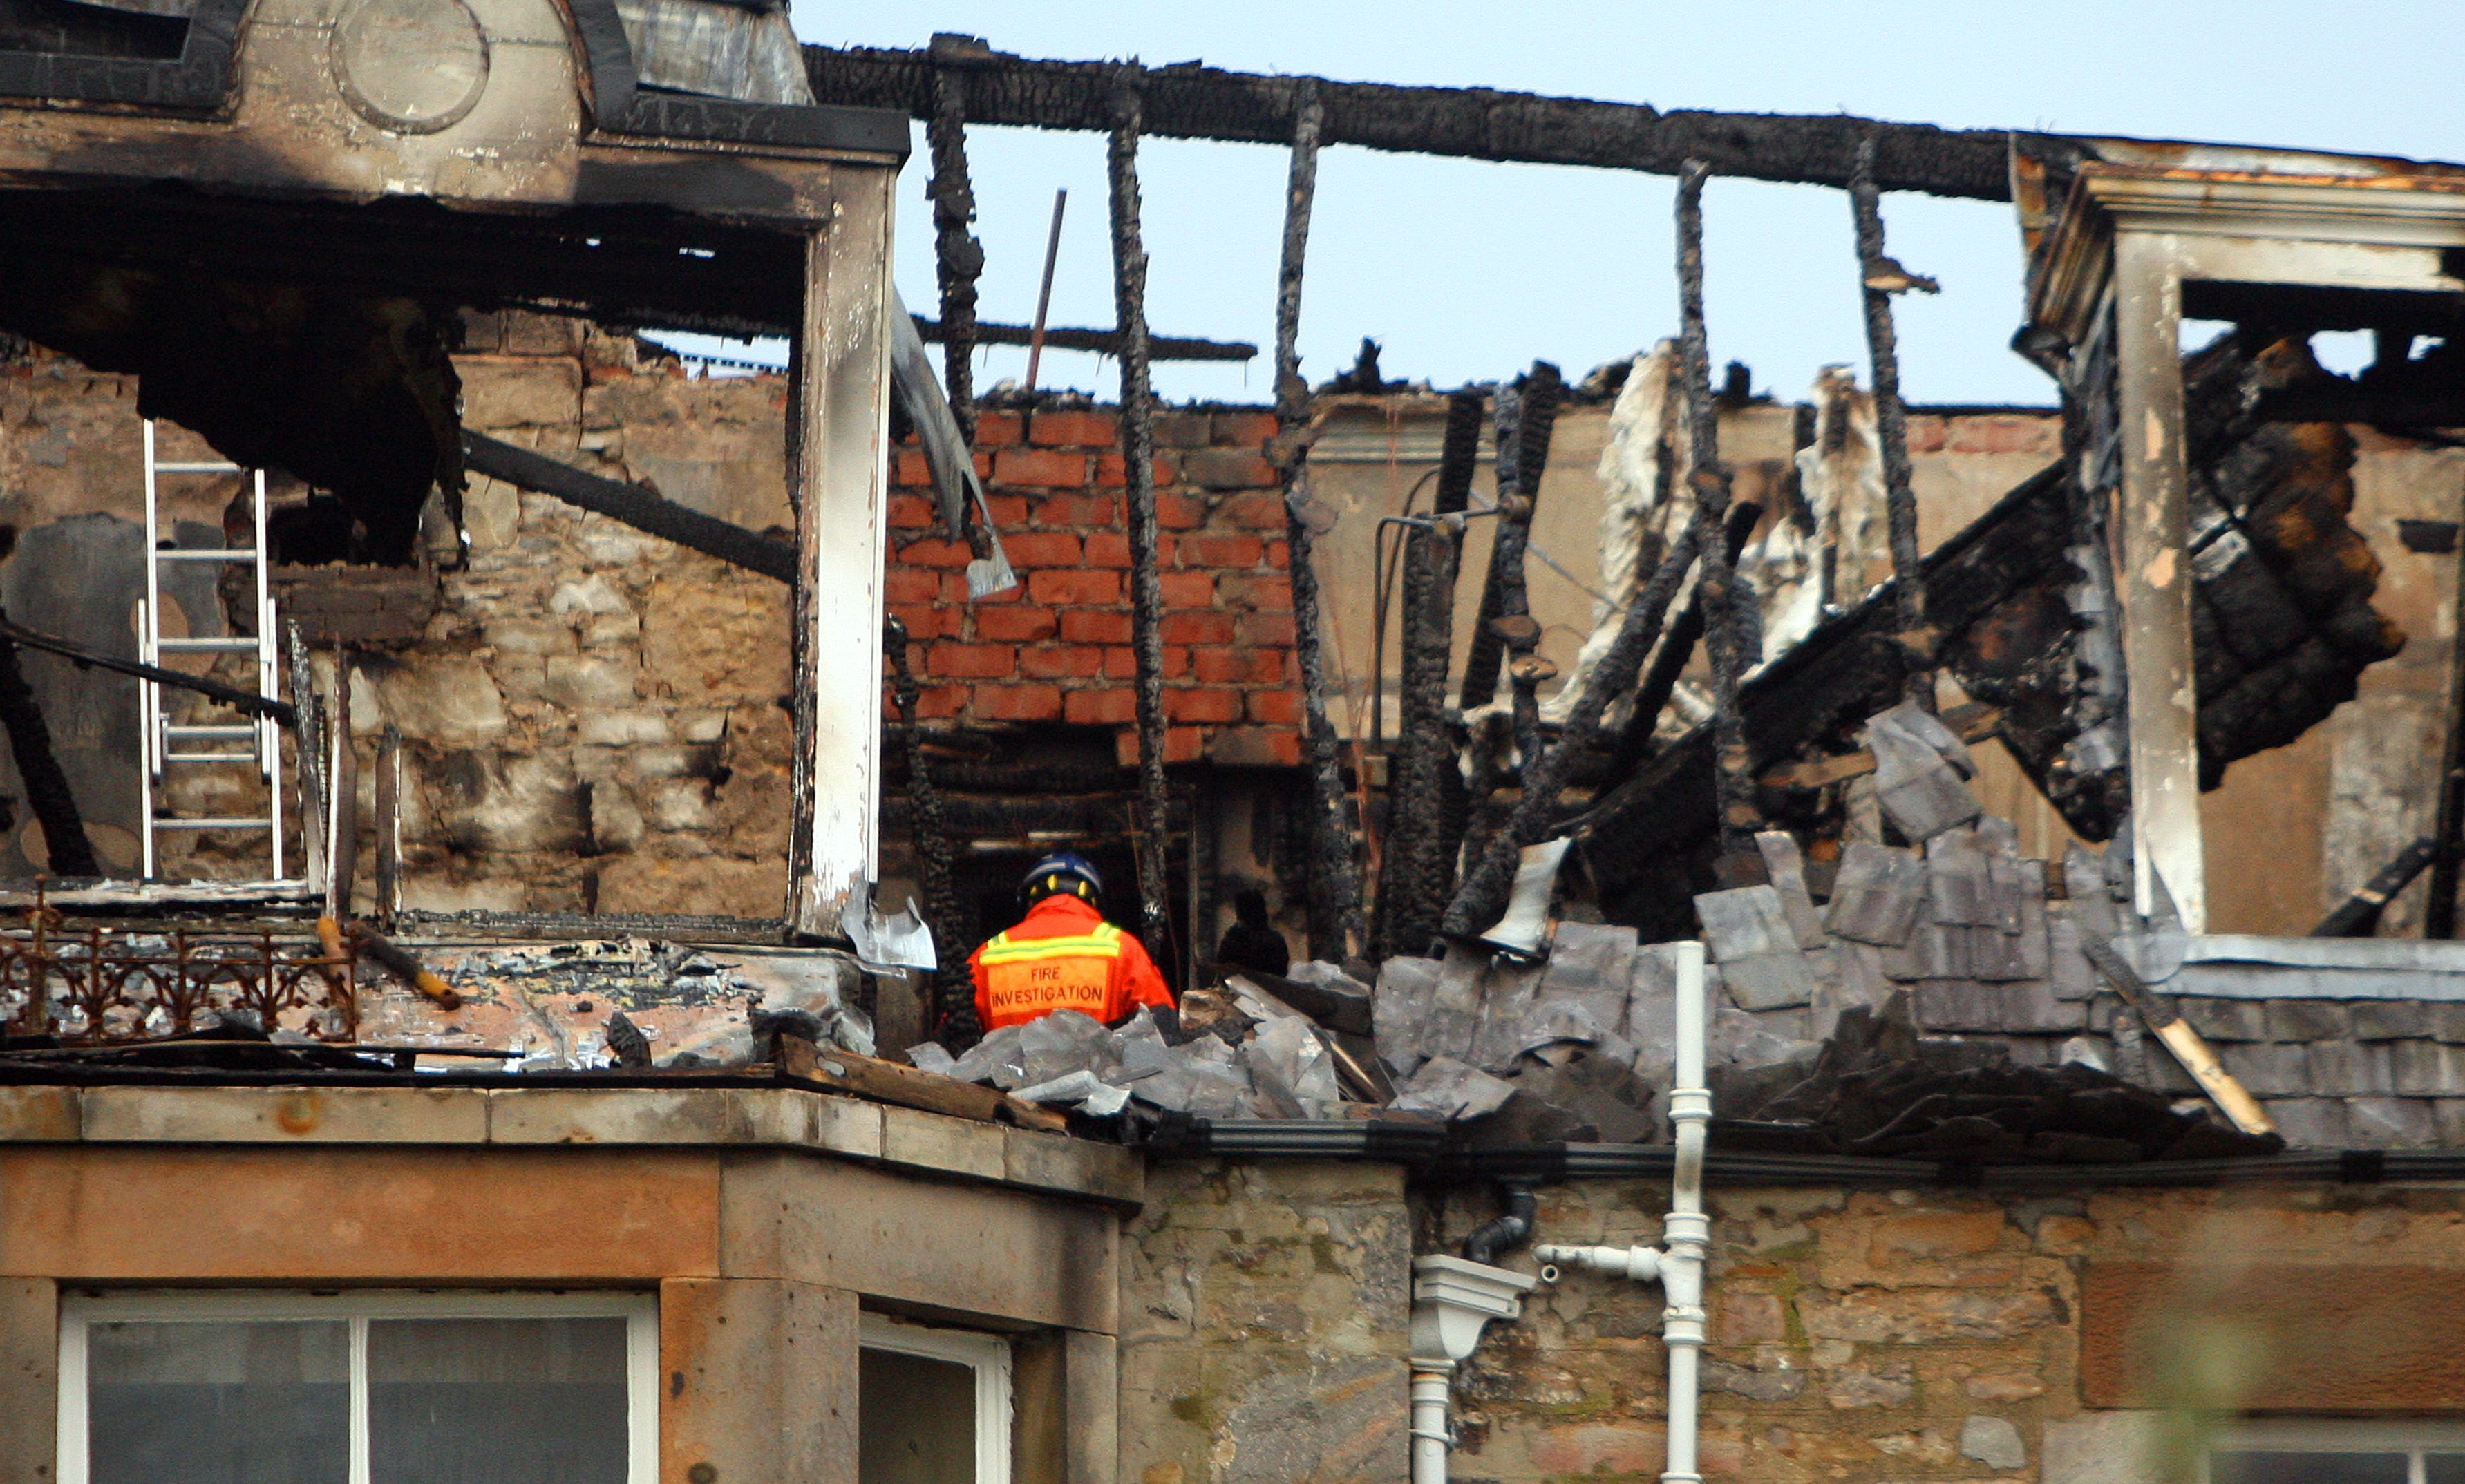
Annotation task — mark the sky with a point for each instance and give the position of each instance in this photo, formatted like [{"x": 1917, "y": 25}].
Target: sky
[{"x": 1466, "y": 271}]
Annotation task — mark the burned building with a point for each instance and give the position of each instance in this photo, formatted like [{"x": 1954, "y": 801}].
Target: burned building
[{"x": 471, "y": 777}]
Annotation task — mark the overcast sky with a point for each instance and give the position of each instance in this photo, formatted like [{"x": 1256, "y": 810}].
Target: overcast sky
[{"x": 1467, "y": 271}]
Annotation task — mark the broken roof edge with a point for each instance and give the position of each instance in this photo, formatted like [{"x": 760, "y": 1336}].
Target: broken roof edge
[
  {"x": 529, "y": 1110},
  {"x": 712, "y": 1112},
  {"x": 1555, "y": 1163}
]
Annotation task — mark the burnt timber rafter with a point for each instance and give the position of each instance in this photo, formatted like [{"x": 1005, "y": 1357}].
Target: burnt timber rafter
[{"x": 1195, "y": 101}]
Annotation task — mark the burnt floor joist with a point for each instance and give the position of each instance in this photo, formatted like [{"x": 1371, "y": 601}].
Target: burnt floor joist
[{"x": 1192, "y": 100}]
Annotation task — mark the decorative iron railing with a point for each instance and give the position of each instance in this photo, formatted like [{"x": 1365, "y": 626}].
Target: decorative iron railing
[{"x": 97, "y": 983}]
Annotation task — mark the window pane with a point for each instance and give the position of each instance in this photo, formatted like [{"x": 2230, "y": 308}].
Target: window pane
[
  {"x": 915, "y": 1420},
  {"x": 2443, "y": 1468},
  {"x": 2240, "y": 1466},
  {"x": 497, "y": 1402},
  {"x": 255, "y": 1401}
]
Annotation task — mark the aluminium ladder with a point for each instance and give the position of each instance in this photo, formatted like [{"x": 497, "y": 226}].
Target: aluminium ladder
[{"x": 166, "y": 744}]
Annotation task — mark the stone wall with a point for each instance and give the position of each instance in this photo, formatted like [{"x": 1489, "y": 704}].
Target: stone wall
[
  {"x": 1927, "y": 1335},
  {"x": 1264, "y": 1313},
  {"x": 1856, "y": 1336},
  {"x": 594, "y": 720}
]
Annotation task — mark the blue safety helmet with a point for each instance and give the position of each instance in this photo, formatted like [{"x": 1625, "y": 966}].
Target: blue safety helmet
[{"x": 1065, "y": 871}]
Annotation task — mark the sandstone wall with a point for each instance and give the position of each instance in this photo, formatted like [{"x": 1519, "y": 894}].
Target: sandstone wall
[
  {"x": 1264, "y": 1310},
  {"x": 1856, "y": 1336}
]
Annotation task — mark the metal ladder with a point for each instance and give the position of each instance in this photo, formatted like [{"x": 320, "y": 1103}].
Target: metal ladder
[{"x": 166, "y": 745}]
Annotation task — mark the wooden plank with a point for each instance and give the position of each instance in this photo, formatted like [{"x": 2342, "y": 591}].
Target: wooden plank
[
  {"x": 841, "y": 475},
  {"x": 2153, "y": 582}
]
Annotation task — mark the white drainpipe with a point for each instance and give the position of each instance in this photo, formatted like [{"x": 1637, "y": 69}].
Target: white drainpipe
[
  {"x": 1453, "y": 1298},
  {"x": 1686, "y": 1233}
]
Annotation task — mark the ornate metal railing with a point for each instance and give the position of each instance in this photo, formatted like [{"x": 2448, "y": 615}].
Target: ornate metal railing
[{"x": 97, "y": 983}]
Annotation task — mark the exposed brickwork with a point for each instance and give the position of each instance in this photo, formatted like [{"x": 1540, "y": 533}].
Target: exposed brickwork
[{"x": 1058, "y": 650}]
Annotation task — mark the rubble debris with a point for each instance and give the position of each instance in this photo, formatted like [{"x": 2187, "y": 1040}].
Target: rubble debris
[
  {"x": 401, "y": 965},
  {"x": 1449, "y": 1089},
  {"x": 1921, "y": 772},
  {"x": 1880, "y": 1088},
  {"x": 1763, "y": 966}
]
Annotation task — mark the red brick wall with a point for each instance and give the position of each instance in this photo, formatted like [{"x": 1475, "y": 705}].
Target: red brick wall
[{"x": 1057, "y": 650}]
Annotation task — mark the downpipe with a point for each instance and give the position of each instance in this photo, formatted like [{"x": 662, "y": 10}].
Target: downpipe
[
  {"x": 1453, "y": 1298},
  {"x": 1686, "y": 1236}
]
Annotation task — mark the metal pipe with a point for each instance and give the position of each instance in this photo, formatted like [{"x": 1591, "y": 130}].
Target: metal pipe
[{"x": 1686, "y": 1232}]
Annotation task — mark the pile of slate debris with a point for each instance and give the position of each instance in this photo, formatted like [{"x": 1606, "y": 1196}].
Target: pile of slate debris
[{"x": 1823, "y": 973}]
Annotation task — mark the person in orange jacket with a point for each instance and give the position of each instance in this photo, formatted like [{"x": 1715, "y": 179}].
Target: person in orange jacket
[{"x": 1064, "y": 955}]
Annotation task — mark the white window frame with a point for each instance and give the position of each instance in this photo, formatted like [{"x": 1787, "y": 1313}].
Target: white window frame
[
  {"x": 988, "y": 1356},
  {"x": 2323, "y": 1435},
  {"x": 356, "y": 1308}
]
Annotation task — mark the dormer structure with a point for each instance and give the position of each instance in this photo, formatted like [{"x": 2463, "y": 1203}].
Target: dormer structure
[{"x": 448, "y": 156}]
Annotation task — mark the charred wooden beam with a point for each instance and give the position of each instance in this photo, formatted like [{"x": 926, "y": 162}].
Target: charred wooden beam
[
  {"x": 2448, "y": 832},
  {"x": 1879, "y": 277},
  {"x": 1123, "y": 108},
  {"x": 1641, "y": 841},
  {"x": 638, "y": 505},
  {"x": 1103, "y": 343},
  {"x": 1488, "y": 882},
  {"x": 1723, "y": 602},
  {"x": 2359, "y": 914},
  {"x": 1416, "y": 874},
  {"x": 1194, "y": 101},
  {"x": 1336, "y": 931},
  {"x": 958, "y": 258},
  {"x": 954, "y": 999},
  {"x": 38, "y": 768},
  {"x": 1503, "y": 597},
  {"x": 1677, "y": 653}
]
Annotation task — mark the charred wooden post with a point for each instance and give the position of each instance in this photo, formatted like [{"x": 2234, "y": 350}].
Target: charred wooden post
[
  {"x": 38, "y": 768},
  {"x": 2447, "y": 833},
  {"x": 1723, "y": 606},
  {"x": 1492, "y": 875},
  {"x": 1335, "y": 876},
  {"x": 1878, "y": 278},
  {"x": 389, "y": 823},
  {"x": 1137, "y": 457},
  {"x": 1669, "y": 665},
  {"x": 954, "y": 1000},
  {"x": 1416, "y": 876},
  {"x": 958, "y": 258},
  {"x": 1524, "y": 428}
]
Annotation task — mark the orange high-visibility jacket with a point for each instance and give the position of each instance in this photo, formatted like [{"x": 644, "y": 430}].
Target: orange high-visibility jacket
[{"x": 1064, "y": 955}]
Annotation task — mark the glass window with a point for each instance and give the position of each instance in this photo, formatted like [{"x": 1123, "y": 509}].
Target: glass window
[
  {"x": 203, "y": 1401},
  {"x": 373, "y": 1388},
  {"x": 2295, "y": 1452},
  {"x": 933, "y": 1406}
]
